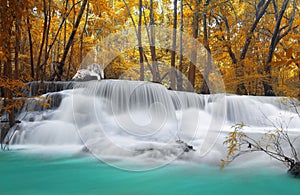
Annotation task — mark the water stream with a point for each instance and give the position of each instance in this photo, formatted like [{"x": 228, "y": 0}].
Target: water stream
[{"x": 134, "y": 126}]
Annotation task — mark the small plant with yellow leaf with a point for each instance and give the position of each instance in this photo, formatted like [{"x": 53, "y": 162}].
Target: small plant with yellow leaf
[{"x": 276, "y": 144}]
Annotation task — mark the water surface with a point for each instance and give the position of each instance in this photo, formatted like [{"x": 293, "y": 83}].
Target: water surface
[{"x": 26, "y": 173}]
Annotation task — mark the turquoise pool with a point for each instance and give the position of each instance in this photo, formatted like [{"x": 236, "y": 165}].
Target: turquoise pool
[{"x": 25, "y": 173}]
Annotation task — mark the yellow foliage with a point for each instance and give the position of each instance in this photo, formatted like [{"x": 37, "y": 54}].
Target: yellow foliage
[{"x": 229, "y": 24}]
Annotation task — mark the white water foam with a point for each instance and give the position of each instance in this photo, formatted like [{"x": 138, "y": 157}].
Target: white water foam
[{"x": 141, "y": 121}]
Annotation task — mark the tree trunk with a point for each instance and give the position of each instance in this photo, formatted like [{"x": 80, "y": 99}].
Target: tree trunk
[
  {"x": 204, "y": 88},
  {"x": 192, "y": 70},
  {"x": 172, "y": 72},
  {"x": 70, "y": 62},
  {"x": 149, "y": 40},
  {"x": 30, "y": 47},
  {"x": 241, "y": 89},
  {"x": 17, "y": 47},
  {"x": 268, "y": 89},
  {"x": 65, "y": 24},
  {"x": 141, "y": 52},
  {"x": 7, "y": 29},
  {"x": 61, "y": 64},
  {"x": 252, "y": 29},
  {"x": 156, "y": 76},
  {"x": 8, "y": 94},
  {"x": 46, "y": 55},
  {"x": 84, "y": 31},
  {"x": 139, "y": 37},
  {"x": 179, "y": 77},
  {"x": 43, "y": 41}
]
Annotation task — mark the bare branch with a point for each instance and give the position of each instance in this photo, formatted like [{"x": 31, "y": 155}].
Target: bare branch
[{"x": 271, "y": 143}]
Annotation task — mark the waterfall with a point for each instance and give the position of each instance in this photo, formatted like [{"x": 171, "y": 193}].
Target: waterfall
[
  {"x": 260, "y": 111},
  {"x": 48, "y": 86},
  {"x": 135, "y": 119}
]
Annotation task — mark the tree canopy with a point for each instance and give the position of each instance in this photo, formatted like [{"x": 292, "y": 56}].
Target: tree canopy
[{"x": 254, "y": 43}]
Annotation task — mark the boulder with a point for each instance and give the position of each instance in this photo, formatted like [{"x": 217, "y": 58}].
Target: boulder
[
  {"x": 85, "y": 75},
  {"x": 295, "y": 170},
  {"x": 92, "y": 72},
  {"x": 185, "y": 147}
]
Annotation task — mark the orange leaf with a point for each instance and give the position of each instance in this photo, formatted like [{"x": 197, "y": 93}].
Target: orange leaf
[
  {"x": 289, "y": 52},
  {"x": 278, "y": 56}
]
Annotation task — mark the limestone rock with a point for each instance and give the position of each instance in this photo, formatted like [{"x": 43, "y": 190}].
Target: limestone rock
[{"x": 92, "y": 72}]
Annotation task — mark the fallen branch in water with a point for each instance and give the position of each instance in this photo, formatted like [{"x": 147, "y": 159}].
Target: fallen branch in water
[{"x": 271, "y": 143}]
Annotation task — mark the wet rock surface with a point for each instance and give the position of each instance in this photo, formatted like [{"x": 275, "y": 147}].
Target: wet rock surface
[
  {"x": 186, "y": 147},
  {"x": 91, "y": 72},
  {"x": 295, "y": 170}
]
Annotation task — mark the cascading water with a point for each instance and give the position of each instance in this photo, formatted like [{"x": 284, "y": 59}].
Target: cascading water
[
  {"x": 33, "y": 87},
  {"x": 261, "y": 111},
  {"x": 140, "y": 120}
]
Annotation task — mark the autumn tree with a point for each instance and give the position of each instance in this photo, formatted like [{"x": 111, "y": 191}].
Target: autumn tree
[
  {"x": 12, "y": 13},
  {"x": 70, "y": 40},
  {"x": 279, "y": 32},
  {"x": 254, "y": 43}
]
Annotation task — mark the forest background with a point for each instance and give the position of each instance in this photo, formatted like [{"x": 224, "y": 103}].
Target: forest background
[{"x": 255, "y": 44}]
